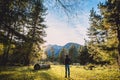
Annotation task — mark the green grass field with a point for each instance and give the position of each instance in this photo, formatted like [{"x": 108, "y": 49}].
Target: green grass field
[{"x": 56, "y": 72}]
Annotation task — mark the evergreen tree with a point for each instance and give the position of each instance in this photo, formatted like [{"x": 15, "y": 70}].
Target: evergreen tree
[
  {"x": 107, "y": 26},
  {"x": 9, "y": 21},
  {"x": 84, "y": 56},
  {"x": 110, "y": 12},
  {"x": 73, "y": 53},
  {"x": 35, "y": 28},
  {"x": 52, "y": 54},
  {"x": 21, "y": 23},
  {"x": 62, "y": 54},
  {"x": 98, "y": 37}
]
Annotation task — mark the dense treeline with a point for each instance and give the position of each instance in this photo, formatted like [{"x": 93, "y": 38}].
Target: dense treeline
[
  {"x": 21, "y": 30},
  {"x": 77, "y": 53}
]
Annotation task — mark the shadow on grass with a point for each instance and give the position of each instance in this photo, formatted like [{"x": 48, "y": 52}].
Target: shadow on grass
[
  {"x": 16, "y": 77},
  {"x": 47, "y": 76},
  {"x": 5, "y": 76},
  {"x": 10, "y": 68}
]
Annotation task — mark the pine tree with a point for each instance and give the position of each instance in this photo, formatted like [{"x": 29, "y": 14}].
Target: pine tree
[
  {"x": 97, "y": 35},
  {"x": 73, "y": 53},
  {"x": 9, "y": 29},
  {"x": 21, "y": 23},
  {"x": 52, "y": 56},
  {"x": 84, "y": 56},
  {"x": 62, "y": 54},
  {"x": 110, "y": 12},
  {"x": 35, "y": 28}
]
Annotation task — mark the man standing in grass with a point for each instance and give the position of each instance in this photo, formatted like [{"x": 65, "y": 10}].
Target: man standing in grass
[{"x": 67, "y": 67}]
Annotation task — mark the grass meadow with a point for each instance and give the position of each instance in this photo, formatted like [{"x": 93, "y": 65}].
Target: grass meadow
[{"x": 57, "y": 72}]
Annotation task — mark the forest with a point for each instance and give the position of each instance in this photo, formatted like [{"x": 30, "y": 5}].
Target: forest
[{"x": 22, "y": 32}]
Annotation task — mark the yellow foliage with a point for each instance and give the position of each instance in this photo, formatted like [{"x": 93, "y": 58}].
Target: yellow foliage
[
  {"x": 106, "y": 25},
  {"x": 1, "y": 49}
]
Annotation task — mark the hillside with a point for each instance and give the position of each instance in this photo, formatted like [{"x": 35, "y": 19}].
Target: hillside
[{"x": 57, "y": 48}]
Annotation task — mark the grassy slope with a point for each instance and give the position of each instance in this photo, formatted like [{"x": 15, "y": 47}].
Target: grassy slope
[{"x": 56, "y": 72}]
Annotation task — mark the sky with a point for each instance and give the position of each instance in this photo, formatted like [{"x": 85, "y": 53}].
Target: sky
[{"x": 64, "y": 27}]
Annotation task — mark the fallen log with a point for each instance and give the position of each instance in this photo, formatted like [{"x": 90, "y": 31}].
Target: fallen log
[{"x": 41, "y": 66}]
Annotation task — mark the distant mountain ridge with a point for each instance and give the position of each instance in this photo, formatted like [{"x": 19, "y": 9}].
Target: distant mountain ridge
[
  {"x": 58, "y": 48},
  {"x": 68, "y": 45}
]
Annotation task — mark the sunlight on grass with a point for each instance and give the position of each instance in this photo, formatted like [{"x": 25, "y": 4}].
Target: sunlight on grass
[{"x": 57, "y": 72}]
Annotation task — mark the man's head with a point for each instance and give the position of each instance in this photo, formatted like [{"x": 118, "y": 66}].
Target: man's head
[{"x": 66, "y": 56}]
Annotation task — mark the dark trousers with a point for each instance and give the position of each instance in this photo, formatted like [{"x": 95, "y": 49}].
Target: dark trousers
[{"x": 67, "y": 70}]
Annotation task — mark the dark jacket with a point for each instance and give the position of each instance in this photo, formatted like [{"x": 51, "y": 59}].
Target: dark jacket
[{"x": 67, "y": 61}]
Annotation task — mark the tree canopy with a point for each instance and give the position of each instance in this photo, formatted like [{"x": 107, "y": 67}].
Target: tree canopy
[{"x": 104, "y": 31}]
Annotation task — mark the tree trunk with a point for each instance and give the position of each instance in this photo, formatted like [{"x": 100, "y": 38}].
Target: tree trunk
[
  {"x": 5, "y": 55},
  {"x": 41, "y": 66},
  {"x": 27, "y": 56},
  {"x": 118, "y": 35},
  {"x": 7, "y": 46}
]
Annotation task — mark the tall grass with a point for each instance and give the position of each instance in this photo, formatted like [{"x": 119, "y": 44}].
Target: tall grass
[{"x": 56, "y": 72}]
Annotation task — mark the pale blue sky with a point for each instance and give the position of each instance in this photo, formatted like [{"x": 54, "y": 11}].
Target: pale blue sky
[{"x": 63, "y": 29}]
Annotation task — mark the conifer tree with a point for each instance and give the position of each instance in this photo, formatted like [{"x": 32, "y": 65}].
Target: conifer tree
[
  {"x": 62, "y": 54},
  {"x": 97, "y": 35},
  {"x": 110, "y": 12},
  {"x": 21, "y": 23}
]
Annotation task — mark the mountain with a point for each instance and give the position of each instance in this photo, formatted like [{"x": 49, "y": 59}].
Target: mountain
[
  {"x": 68, "y": 45},
  {"x": 58, "y": 48}
]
